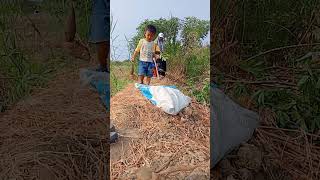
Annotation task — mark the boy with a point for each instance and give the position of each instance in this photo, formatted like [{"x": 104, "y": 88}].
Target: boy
[
  {"x": 99, "y": 31},
  {"x": 147, "y": 49}
]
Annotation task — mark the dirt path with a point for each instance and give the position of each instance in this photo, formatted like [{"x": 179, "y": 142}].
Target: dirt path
[
  {"x": 119, "y": 149},
  {"x": 49, "y": 128},
  {"x": 173, "y": 147},
  {"x": 59, "y": 132}
]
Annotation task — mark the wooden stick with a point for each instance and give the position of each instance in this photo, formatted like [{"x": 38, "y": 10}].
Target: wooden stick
[
  {"x": 155, "y": 63},
  {"x": 132, "y": 69},
  {"x": 180, "y": 168}
]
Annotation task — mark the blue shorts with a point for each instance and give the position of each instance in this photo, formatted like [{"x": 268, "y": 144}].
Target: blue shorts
[
  {"x": 100, "y": 21},
  {"x": 145, "y": 68}
]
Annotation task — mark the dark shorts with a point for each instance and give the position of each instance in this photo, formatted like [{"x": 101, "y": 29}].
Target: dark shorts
[
  {"x": 100, "y": 21},
  {"x": 145, "y": 68}
]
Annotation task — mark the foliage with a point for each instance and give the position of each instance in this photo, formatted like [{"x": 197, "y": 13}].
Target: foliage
[
  {"x": 193, "y": 31},
  {"x": 200, "y": 92},
  {"x": 263, "y": 66},
  {"x": 269, "y": 24},
  {"x": 170, "y": 27}
]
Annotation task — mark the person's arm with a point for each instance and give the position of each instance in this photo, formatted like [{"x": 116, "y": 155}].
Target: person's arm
[
  {"x": 133, "y": 57},
  {"x": 157, "y": 49},
  {"x": 156, "y": 41},
  {"x": 136, "y": 51},
  {"x": 156, "y": 54}
]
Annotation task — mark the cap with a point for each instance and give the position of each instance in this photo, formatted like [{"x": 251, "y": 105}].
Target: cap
[{"x": 161, "y": 35}]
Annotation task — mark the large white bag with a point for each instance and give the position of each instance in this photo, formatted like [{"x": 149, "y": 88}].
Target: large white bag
[
  {"x": 168, "y": 98},
  {"x": 230, "y": 124}
]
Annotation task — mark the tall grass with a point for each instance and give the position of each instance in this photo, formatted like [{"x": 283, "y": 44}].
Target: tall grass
[
  {"x": 19, "y": 72},
  {"x": 192, "y": 69},
  {"x": 268, "y": 65},
  {"x": 120, "y": 76}
]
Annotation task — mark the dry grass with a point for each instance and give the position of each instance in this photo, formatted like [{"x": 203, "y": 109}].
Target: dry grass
[
  {"x": 172, "y": 146},
  {"x": 293, "y": 150},
  {"x": 59, "y": 132},
  {"x": 286, "y": 154}
]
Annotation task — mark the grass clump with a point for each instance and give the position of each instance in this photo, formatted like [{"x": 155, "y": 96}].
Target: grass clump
[{"x": 119, "y": 76}]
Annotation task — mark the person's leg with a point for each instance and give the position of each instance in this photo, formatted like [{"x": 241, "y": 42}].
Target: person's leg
[
  {"x": 99, "y": 31},
  {"x": 154, "y": 72},
  {"x": 160, "y": 67},
  {"x": 103, "y": 53},
  {"x": 141, "y": 71},
  {"x": 148, "y": 79},
  {"x": 140, "y": 78},
  {"x": 145, "y": 72},
  {"x": 164, "y": 64},
  {"x": 149, "y": 72}
]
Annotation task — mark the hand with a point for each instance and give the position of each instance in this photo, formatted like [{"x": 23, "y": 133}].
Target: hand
[{"x": 132, "y": 59}]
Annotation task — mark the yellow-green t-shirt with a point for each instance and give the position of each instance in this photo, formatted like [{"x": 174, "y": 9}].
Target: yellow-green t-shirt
[{"x": 147, "y": 50}]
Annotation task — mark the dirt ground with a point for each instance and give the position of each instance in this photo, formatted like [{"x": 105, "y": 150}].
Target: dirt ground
[
  {"x": 272, "y": 154},
  {"x": 155, "y": 144},
  {"x": 61, "y": 130},
  {"x": 49, "y": 124},
  {"x": 248, "y": 162}
]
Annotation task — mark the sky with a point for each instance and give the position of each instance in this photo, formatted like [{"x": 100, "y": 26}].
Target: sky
[{"x": 130, "y": 13}]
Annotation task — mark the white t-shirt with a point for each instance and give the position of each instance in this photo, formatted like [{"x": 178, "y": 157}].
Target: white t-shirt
[{"x": 147, "y": 50}]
